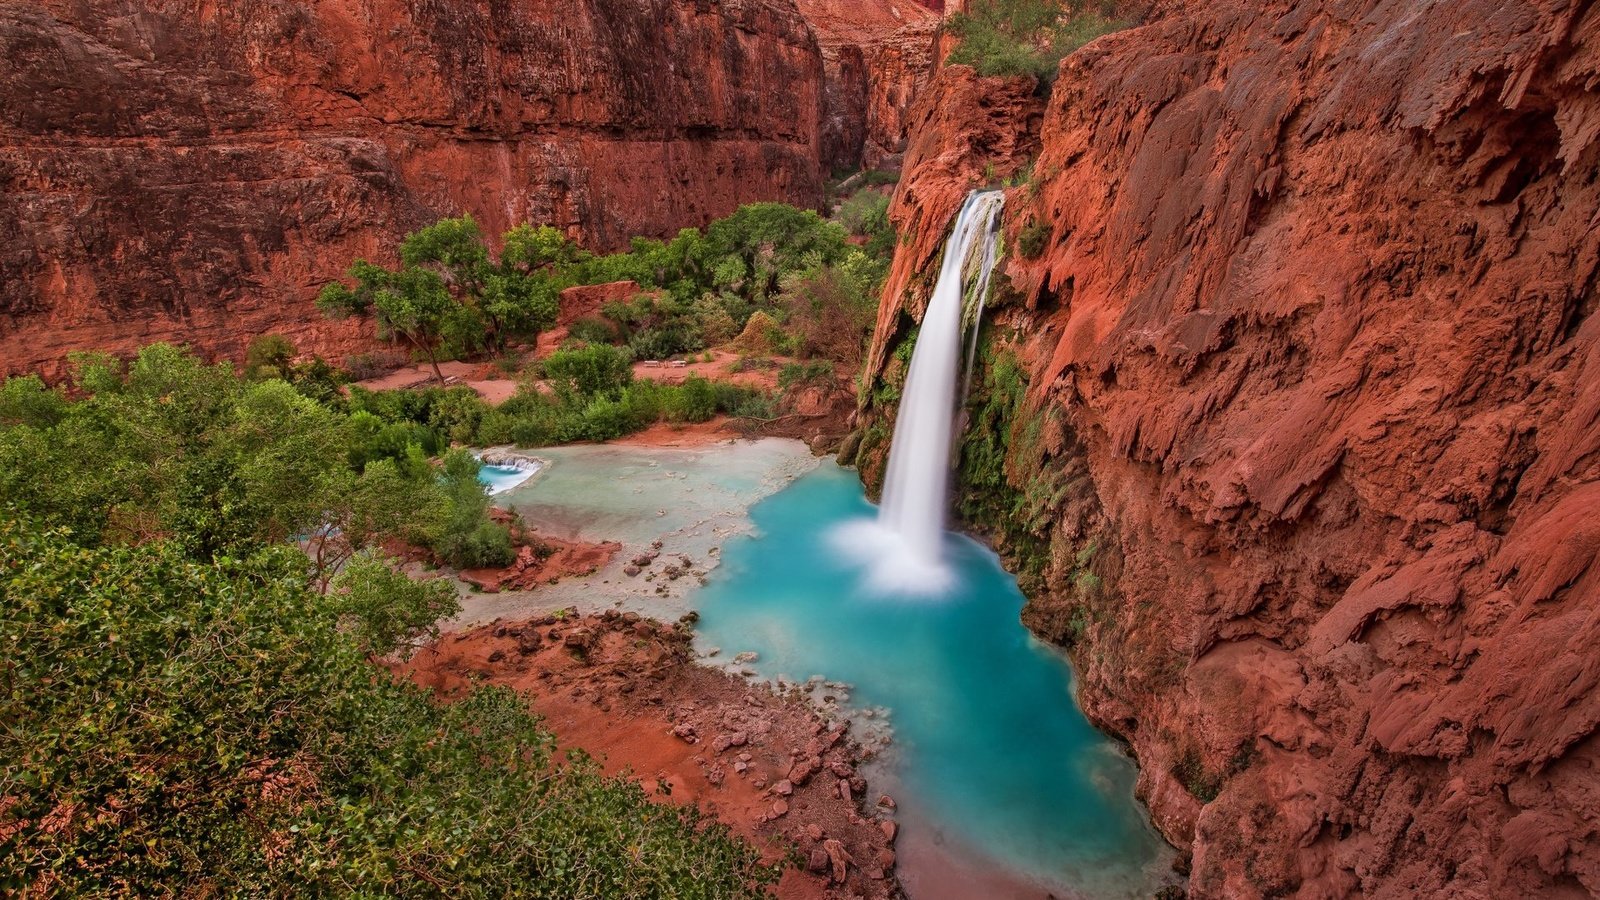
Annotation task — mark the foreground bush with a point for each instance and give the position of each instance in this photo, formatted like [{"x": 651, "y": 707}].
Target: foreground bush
[
  {"x": 172, "y": 727},
  {"x": 168, "y": 447}
]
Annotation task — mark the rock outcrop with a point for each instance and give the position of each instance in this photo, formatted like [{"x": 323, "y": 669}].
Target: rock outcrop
[
  {"x": 1313, "y": 409},
  {"x": 877, "y": 55},
  {"x": 194, "y": 172}
]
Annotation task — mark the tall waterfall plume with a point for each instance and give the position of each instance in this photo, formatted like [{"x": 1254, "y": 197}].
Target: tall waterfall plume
[{"x": 904, "y": 547}]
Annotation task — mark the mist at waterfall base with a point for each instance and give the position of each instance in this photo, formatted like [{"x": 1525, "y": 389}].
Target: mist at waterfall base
[
  {"x": 901, "y": 549},
  {"x": 992, "y": 764}
]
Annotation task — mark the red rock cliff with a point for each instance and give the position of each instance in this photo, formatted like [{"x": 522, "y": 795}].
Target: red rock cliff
[
  {"x": 877, "y": 55},
  {"x": 194, "y": 171},
  {"x": 1313, "y": 360}
]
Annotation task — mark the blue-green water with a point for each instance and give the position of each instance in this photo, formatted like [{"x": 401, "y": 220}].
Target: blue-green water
[
  {"x": 499, "y": 479},
  {"x": 991, "y": 758}
]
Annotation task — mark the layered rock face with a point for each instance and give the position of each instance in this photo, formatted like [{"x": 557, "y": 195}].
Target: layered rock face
[
  {"x": 877, "y": 55},
  {"x": 1314, "y": 389},
  {"x": 194, "y": 171}
]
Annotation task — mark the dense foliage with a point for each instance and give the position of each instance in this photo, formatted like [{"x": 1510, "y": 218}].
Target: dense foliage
[
  {"x": 704, "y": 288},
  {"x": 594, "y": 397},
  {"x": 170, "y": 448},
  {"x": 1027, "y": 37},
  {"x": 451, "y": 297},
  {"x": 191, "y": 593},
  {"x": 171, "y": 726}
]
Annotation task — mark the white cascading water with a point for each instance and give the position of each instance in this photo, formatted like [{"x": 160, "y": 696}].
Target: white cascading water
[{"x": 904, "y": 546}]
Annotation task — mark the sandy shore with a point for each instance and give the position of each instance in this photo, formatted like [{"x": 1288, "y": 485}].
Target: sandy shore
[{"x": 492, "y": 385}]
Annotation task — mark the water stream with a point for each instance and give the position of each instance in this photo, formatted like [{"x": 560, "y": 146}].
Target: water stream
[{"x": 915, "y": 631}]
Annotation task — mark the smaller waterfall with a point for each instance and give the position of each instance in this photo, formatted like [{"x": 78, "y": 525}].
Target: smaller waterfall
[{"x": 904, "y": 547}]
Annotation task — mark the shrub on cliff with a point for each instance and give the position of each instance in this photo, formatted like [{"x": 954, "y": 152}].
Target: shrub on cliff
[
  {"x": 1033, "y": 239},
  {"x": 1027, "y": 37},
  {"x": 172, "y": 727}
]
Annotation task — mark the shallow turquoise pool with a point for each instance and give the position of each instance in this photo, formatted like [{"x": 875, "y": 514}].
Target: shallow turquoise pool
[
  {"x": 499, "y": 479},
  {"x": 994, "y": 766}
]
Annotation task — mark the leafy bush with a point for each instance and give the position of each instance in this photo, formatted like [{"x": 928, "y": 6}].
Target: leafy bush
[
  {"x": 804, "y": 373},
  {"x": 585, "y": 371},
  {"x": 174, "y": 726},
  {"x": 694, "y": 401},
  {"x": 715, "y": 320},
  {"x": 1033, "y": 238},
  {"x": 830, "y": 310},
  {"x": 269, "y": 356},
  {"x": 664, "y": 343},
  {"x": 866, "y": 215},
  {"x": 26, "y": 400},
  {"x": 594, "y": 330},
  {"x": 215, "y": 464},
  {"x": 466, "y": 538},
  {"x": 385, "y": 611}
]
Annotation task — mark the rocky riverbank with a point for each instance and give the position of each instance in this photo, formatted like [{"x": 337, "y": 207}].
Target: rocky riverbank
[{"x": 626, "y": 690}]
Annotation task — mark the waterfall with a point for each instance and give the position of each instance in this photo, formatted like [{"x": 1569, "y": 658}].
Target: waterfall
[{"x": 904, "y": 546}]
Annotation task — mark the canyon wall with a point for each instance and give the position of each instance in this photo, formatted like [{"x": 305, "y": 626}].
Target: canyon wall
[
  {"x": 877, "y": 56},
  {"x": 192, "y": 171},
  {"x": 1305, "y": 458}
]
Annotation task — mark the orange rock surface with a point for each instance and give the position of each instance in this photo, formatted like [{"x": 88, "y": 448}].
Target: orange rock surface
[
  {"x": 877, "y": 56},
  {"x": 1312, "y": 334}
]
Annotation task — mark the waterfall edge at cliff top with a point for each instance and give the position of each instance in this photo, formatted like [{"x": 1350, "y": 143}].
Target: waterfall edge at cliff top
[{"x": 903, "y": 549}]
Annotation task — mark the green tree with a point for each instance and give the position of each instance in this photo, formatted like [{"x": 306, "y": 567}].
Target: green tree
[
  {"x": 269, "y": 356},
  {"x": 466, "y": 538},
  {"x": 386, "y": 611},
  {"x": 528, "y": 249},
  {"x": 769, "y": 239},
  {"x": 192, "y": 454},
  {"x": 412, "y": 304},
  {"x": 590, "y": 370}
]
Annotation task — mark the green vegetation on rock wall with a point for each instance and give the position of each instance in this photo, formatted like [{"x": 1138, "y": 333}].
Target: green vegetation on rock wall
[
  {"x": 450, "y": 297},
  {"x": 1028, "y": 37}
]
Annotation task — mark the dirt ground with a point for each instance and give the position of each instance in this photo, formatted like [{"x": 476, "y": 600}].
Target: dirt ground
[{"x": 626, "y": 690}]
